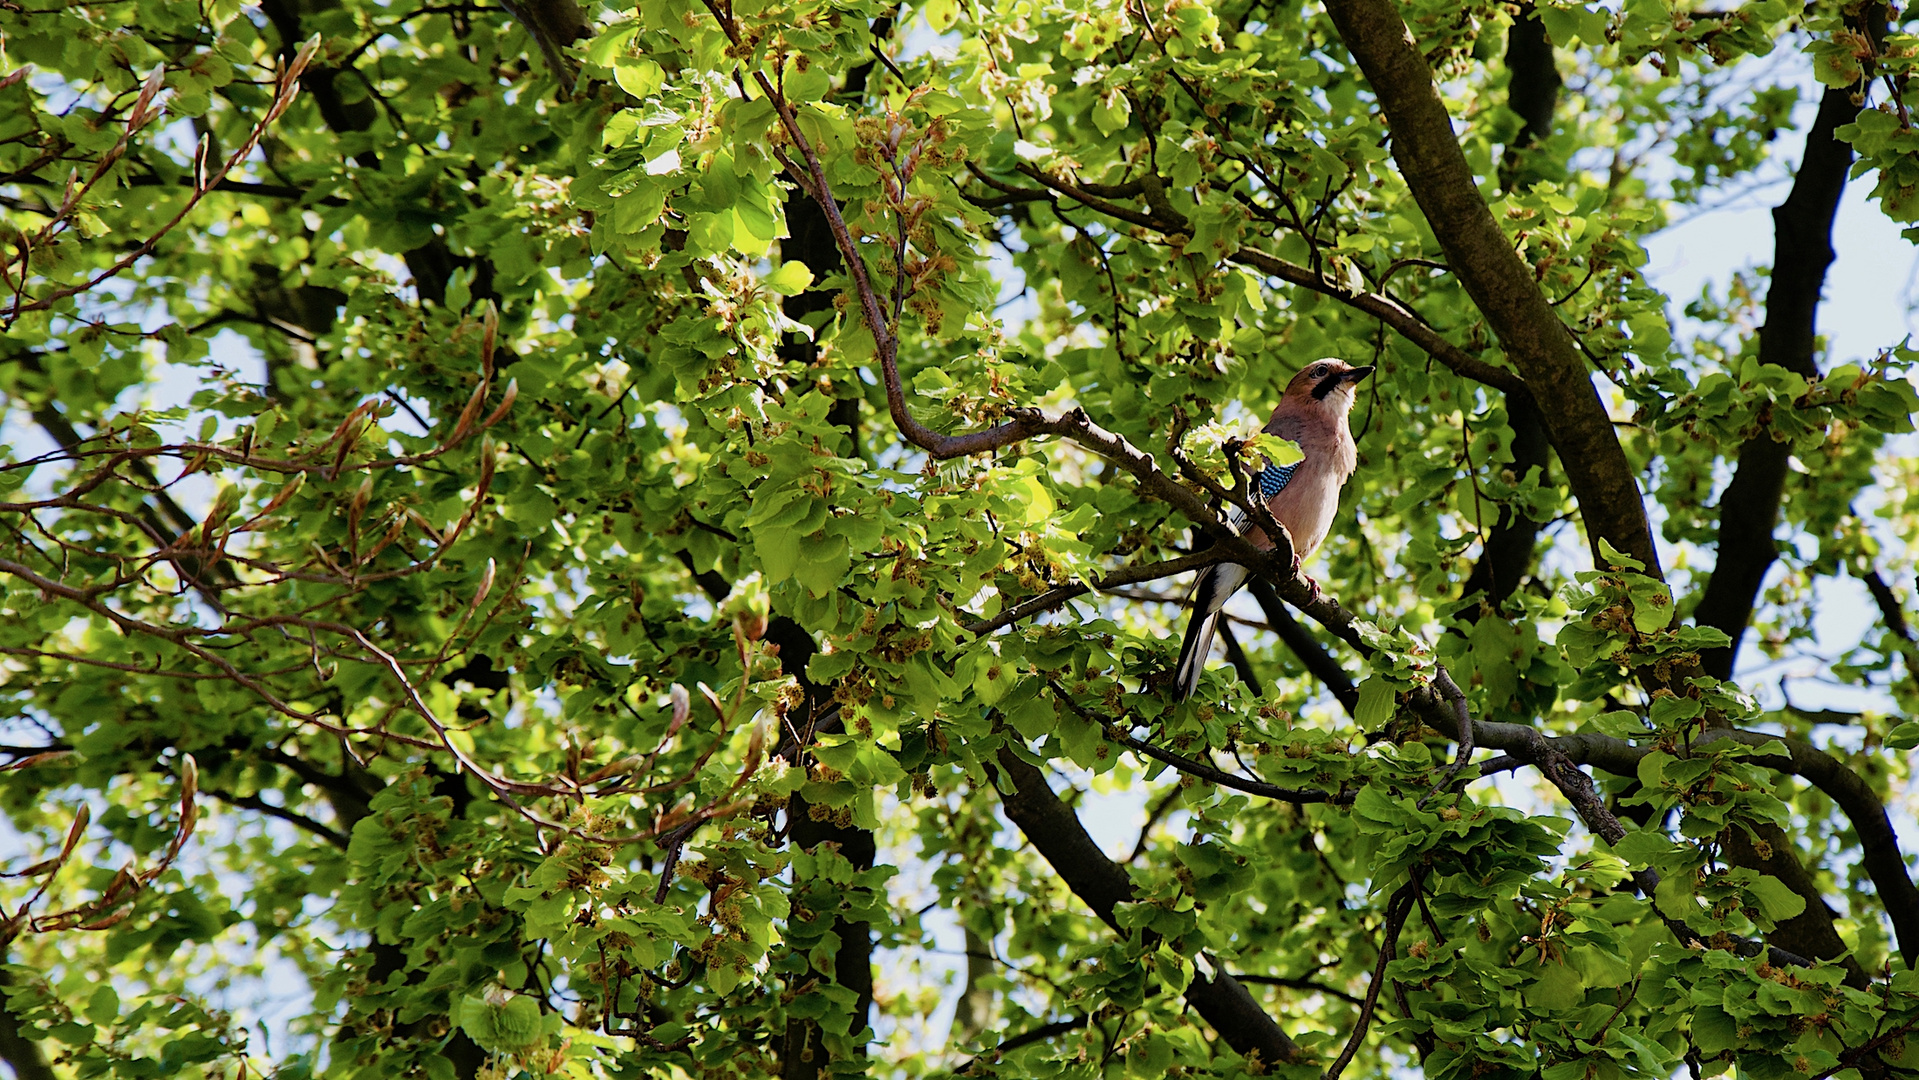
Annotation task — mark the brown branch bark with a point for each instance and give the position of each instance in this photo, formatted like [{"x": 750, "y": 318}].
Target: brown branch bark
[
  {"x": 431, "y": 265},
  {"x": 1602, "y": 479},
  {"x": 1236, "y": 656},
  {"x": 554, "y": 25},
  {"x": 1749, "y": 513},
  {"x": 1878, "y": 840},
  {"x": 1502, "y": 286},
  {"x": 1532, "y": 91},
  {"x": 1802, "y": 251},
  {"x": 1528, "y": 745},
  {"x": 1398, "y": 907},
  {"x": 1055, "y": 831}
]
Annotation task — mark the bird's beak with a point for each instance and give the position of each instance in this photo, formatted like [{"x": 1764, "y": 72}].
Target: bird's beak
[{"x": 1359, "y": 373}]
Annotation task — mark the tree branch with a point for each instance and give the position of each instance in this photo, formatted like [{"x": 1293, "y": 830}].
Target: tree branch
[
  {"x": 1322, "y": 664},
  {"x": 1397, "y": 909},
  {"x": 1377, "y": 305},
  {"x": 1895, "y": 616},
  {"x": 1878, "y": 840},
  {"x": 1055, "y": 831},
  {"x": 1024, "y": 1038},
  {"x": 1802, "y": 251},
  {"x": 1528, "y": 745},
  {"x": 1426, "y": 148}
]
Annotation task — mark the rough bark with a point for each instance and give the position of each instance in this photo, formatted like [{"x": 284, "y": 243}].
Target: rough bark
[
  {"x": 810, "y": 240},
  {"x": 1532, "y": 91},
  {"x": 1532, "y": 88},
  {"x": 1427, "y": 152},
  {"x": 1802, "y": 251},
  {"x": 1878, "y": 840},
  {"x": 1102, "y": 884}
]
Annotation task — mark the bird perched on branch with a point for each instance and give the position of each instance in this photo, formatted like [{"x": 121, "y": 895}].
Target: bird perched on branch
[{"x": 1302, "y": 496}]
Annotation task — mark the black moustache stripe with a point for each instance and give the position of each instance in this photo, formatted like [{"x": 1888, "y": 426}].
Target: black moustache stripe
[{"x": 1327, "y": 385}]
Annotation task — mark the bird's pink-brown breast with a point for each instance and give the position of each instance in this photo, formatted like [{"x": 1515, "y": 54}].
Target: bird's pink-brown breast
[{"x": 1306, "y": 506}]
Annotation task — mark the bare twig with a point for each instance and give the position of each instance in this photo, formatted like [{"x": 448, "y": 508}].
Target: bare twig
[{"x": 288, "y": 87}]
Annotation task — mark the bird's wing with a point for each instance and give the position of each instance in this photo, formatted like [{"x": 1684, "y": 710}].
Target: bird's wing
[{"x": 1274, "y": 478}]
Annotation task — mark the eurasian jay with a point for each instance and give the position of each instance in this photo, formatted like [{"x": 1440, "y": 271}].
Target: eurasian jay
[{"x": 1303, "y": 496}]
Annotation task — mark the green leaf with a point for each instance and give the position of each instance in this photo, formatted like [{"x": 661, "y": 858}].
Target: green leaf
[
  {"x": 791, "y": 279},
  {"x": 1775, "y": 900},
  {"x": 941, "y": 14},
  {"x": 638, "y": 76},
  {"x": 1376, "y": 702},
  {"x": 1616, "y": 558},
  {"x": 103, "y": 1006},
  {"x": 1557, "y": 986}
]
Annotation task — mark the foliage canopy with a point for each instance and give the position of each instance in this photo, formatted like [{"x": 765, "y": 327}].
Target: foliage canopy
[{"x": 531, "y": 532}]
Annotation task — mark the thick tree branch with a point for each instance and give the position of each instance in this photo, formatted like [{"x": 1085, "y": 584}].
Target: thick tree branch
[
  {"x": 1502, "y": 286},
  {"x": 1528, "y": 745},
  {"x": 1532, "y": 91},
  {"x": 1532, "y": 87},
  {"x": 1055, "y": 831},
  {"x": 21, "y": 1053},
  {"x": 292, "y": 817},
  {"x": 1241, "y": 663},
  {"x": 554, "y": 25},
  {"x": 1802, "y": 251},
  {"x": 1878, "y": 840}
]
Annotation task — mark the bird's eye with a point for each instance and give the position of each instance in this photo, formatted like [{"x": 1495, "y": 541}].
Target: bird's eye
[{"x": 1319, "y": 372}]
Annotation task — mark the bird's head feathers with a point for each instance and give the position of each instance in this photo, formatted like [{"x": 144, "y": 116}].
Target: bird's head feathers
[{"x": 1326, "y": 384}]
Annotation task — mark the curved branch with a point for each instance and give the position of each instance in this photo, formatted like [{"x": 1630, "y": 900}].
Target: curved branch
[
  {"x": 1528, "y": 745},
  {"x": 1377, "y": 305},
  {"x": 1322, "y": 664},
  {"x": 1397, "y": 909},
  {"x": 1394, "y": 314},
  {"x": 289, "y": 85},
  {"x": 1024, "y": 1038},
  {"x": 1296, "y": 796}
]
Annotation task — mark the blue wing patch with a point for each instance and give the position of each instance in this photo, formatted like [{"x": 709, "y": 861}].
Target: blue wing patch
[{"x": 1274, "y": 479}]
